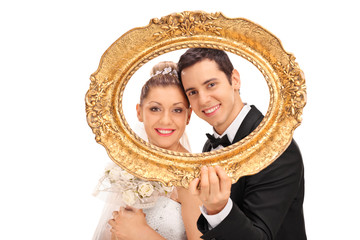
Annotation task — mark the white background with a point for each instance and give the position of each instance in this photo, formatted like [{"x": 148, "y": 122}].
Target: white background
[{"x": 50, "y": 161}]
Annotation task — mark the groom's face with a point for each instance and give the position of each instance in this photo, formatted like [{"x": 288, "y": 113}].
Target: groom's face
[{"x": 211, "y": 96}]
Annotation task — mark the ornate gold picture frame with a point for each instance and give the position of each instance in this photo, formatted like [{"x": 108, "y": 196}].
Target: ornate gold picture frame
[{"x": 183, "y": 30}]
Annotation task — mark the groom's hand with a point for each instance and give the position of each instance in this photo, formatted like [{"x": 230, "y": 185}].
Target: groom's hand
[{"x": 214, "y": 188}]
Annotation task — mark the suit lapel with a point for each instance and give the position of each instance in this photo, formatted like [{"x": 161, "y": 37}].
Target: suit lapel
[
  {"x": 251, "y": 121},
  {"x": 207, "y": 146}
]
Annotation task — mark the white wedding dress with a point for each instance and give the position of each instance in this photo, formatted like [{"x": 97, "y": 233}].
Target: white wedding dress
[{"x": 165, "y": 218}]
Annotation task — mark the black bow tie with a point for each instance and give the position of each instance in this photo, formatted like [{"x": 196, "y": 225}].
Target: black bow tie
[{"x": 215, "y": 142}]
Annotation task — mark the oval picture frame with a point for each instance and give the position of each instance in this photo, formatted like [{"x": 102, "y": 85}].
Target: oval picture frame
[{"x": 183, "y": 30}]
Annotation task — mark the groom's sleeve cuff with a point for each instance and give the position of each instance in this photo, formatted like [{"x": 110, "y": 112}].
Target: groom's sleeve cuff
[{"x": 216, "y": 219}]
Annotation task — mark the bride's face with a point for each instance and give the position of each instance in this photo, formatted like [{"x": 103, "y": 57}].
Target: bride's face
[{"x": 165, "y": 113}]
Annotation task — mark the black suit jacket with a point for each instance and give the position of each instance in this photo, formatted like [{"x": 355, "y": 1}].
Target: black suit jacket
[{"x": 267, "y": 205}]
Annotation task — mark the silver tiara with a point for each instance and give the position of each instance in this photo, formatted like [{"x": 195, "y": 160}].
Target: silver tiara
[{"x": 167, "y": 70}]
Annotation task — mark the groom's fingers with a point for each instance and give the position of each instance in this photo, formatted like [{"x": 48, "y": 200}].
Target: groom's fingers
[
  {"x": 225, "y": 181},
  {"x": 204, "y": 183},
  {"x": 214, "y": 182},
  {"x": 193, "y": 187}
]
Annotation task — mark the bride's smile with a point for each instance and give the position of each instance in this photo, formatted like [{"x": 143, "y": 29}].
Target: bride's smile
[
  {"x": 165, "y": 113},
  {"x": 164, "y": 132}
]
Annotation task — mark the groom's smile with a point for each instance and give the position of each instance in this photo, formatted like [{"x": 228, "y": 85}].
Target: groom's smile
[{"x": 209, "y": 112}]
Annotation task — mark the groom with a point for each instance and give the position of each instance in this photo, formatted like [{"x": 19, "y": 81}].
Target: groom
[{"x": 267, "y": 205}]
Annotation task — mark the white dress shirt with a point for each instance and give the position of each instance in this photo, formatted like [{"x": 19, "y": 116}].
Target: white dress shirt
[{"x": 231, "y": 131}]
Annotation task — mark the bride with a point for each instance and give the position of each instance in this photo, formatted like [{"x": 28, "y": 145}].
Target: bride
[{"x": 165, "y": 112}]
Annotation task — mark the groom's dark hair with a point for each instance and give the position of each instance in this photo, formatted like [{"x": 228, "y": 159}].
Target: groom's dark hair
[{"x": 195, "y": 55}]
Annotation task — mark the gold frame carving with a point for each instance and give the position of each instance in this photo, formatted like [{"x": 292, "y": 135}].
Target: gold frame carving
[{"x": 189, "y": 29}]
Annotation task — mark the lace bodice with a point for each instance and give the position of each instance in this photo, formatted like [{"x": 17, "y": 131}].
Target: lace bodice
[{"x": 165, "y": 218}]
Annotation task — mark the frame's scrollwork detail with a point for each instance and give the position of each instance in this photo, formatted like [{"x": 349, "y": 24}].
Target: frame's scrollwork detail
[
  {"x": 294, "y": 88},
  {"x": 188, "y": 29},
  {"x": 186, "y": 23}
]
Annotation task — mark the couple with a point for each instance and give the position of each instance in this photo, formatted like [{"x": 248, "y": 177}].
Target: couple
[{"x": 267, "y": 205}]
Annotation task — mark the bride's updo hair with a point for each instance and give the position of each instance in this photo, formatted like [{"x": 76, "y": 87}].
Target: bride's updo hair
[{"x": 162, "y": 74}]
